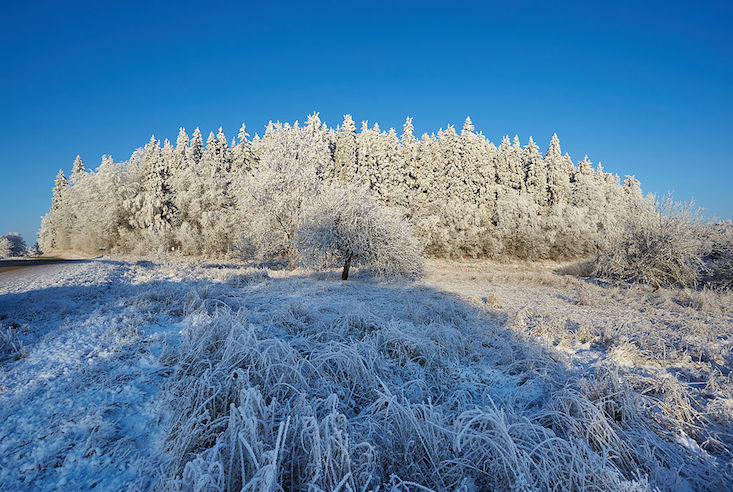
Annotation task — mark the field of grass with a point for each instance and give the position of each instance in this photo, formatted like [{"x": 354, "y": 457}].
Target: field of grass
[{"x": 182, "y": 375}]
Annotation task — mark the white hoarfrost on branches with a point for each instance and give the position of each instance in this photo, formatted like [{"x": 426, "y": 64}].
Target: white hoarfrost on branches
[
  {"x": 272, "y": 195},
  {"x": 345, "y": 226},
  {"x": 12, "y": 244},
  {"x": 220, "y": 196},
  {"x": 662, "y": 244},
  {"x": 464, "y": 197}
]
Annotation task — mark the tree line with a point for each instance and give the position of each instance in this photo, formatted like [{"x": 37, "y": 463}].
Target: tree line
[{"x": 461, "y": 194}]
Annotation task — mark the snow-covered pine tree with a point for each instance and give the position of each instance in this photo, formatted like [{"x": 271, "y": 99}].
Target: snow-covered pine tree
[
  {"x": 365, "y": 153},
  {"x": 503, "y": 168},
  {"x": 60, "y": 186},
  {"x": 211, "y": 151},
  {"x": 409, "y": 158},
  {"x": 181, "y": 145},
  {"x": 243, "y": 159},
  {"x": 345, "y": 164},
  {"x": 558, "y": 174},
  {"x": 536, "y": 172},
  {"x": 54, "y": 227},
  {"x": 315, "y": 148},
  {"x": 158, "y": 210},
  {"x": 77, "y": 171},
  {"x": 196, "y": 149},
  {"x": 222, "y": 151},
  {"x": 392, "y": 185}
]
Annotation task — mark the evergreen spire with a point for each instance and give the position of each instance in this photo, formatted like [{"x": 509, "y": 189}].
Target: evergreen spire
[{"x": 467, "y": 125}]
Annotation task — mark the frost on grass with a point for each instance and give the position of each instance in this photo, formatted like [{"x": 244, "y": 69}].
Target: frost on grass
[
  {"x": 187, "y": 376},
  {"x": 656, "y": 363},
  {"x": 317, "y": 386},
  {"x": 76, "y": 397}
]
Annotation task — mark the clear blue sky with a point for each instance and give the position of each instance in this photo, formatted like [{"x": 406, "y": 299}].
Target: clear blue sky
[{"x": 646, "y": 88}]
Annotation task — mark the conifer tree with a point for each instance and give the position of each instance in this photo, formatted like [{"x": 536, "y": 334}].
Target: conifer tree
[
  {"x": 54, "y": 226},
  {"x": 77, "y": 170},
  {"x": 181, "y": 145},
  {"x": 467, "y": 126},
  {"x": 211, "y": 149},
  {"x": 345, "y": 164},
  {"x": 558, "y": 175},
  {"x": 60, "y": 186},
  {"x": 222, "y": 151},
  {"x": 410, "y": 162},
  {"x": 536, "y": 173},
  {"x": 503, "y": 168},
  {"x": 242, "y": 154},
  {"x": 517, "y": 172},
  {"x": 196, "y": 149}
]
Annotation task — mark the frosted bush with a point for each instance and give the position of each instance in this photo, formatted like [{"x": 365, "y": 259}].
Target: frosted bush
[
  {"x": 658, "y": 247},
  {"x": 345, "y": 226}
]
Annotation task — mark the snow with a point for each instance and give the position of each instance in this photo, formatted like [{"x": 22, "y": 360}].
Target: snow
[
  {"x": 479, "y": 375},
  {"x": 76, "y": 404}
]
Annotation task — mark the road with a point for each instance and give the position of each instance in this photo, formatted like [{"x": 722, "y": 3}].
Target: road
[{"x": 20, "y": 263}]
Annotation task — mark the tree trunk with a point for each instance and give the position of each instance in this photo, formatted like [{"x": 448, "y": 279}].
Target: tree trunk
[{"x": 347, "y": 264}]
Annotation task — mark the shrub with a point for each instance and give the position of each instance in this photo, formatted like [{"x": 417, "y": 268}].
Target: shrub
[
  {"x": 345, "y": 225},
  {"x": 661, "y": 246}
]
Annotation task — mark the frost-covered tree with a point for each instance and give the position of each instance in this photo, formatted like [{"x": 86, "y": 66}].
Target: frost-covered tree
[
  {"x": 11, "y": 245},
  {"x": 243, "y": 158},
  {"x": 290, "y": 160},
  {"x": 345, "y": 165},
  {"x": 196, "y": 149},
  {"x": 77, "y": 170},
  {"x": 558, "y": 173},
  {"x": 181, "y": 144},
  {"x": 157, "y": 211},
  {"x": 536, "y": 172},
  {"x": 345, "y": 226},
  {"x": 55, "y": 225}
]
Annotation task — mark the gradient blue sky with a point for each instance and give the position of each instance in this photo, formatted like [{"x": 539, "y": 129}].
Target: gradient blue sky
[{"x": 646, "y": 88}]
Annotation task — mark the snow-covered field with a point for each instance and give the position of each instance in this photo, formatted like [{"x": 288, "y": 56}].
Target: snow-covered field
[{"x": 123, "y": 374}]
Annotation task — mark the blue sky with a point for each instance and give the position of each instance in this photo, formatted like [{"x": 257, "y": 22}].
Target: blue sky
[{"x": 645, "y": 88}]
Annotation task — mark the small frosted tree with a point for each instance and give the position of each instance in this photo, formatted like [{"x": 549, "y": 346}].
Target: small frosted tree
[
  {"x": 12, "y": 245},
  {"x": 346, "y": 226}
]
